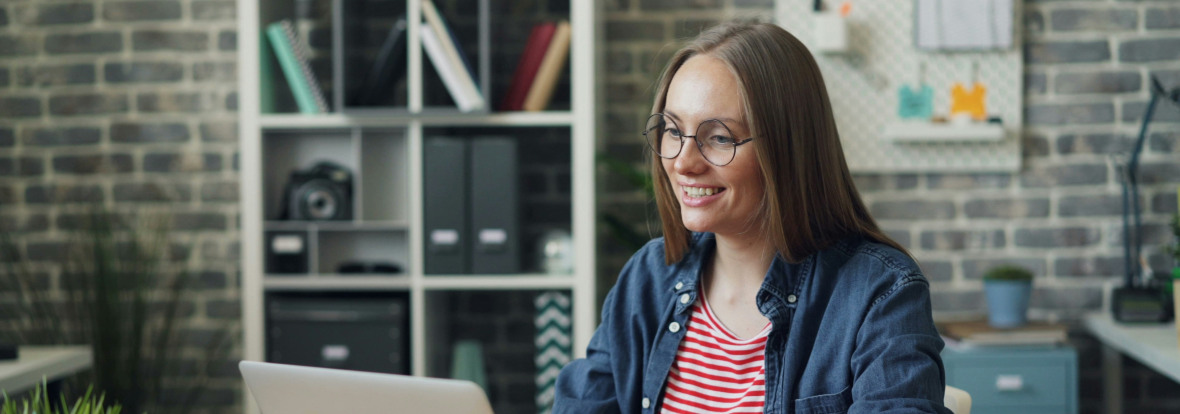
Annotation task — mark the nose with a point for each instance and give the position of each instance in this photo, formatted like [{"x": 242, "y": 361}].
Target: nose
[{"x": 690, "y": 160}]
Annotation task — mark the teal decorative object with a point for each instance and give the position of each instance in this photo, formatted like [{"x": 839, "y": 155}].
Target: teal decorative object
[
  {"x": 915, "y": 103},
  {"x": 467, "y": 363},
  {"x": 554, "y": 341},
  {"x": 1007, "y": 289}
]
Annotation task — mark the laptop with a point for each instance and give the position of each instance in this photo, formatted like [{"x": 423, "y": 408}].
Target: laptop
[{"x": 292, "y": 389}]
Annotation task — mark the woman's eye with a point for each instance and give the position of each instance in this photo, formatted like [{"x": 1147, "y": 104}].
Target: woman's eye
[
  {"x": 672, "y": 131},
  {"x": 720, "y": 140}
]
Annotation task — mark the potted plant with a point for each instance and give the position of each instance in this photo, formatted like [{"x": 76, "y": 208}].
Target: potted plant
[
  {"x": 40, "y": 402},
  {"x": 1007, "y": 289}
]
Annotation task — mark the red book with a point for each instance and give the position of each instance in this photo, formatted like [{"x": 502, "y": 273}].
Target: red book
[{"x": 526, "y": 69}]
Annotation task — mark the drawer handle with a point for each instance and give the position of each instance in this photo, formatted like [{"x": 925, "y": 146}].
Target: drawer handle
[{"x": 1009, "y": 382}]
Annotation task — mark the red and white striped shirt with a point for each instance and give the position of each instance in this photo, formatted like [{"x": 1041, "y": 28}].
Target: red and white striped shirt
[{"x": 715, "y": 371}]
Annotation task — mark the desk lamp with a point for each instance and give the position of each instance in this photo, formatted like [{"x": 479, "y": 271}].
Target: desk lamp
[{"x": 1137, "y": 300}]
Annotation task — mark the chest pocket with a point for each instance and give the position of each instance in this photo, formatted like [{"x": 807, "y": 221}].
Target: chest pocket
[{"x": 826, "y": 403}]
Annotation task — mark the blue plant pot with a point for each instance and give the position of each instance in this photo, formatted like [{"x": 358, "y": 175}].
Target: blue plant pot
[{"x": 1007, "y": 302}]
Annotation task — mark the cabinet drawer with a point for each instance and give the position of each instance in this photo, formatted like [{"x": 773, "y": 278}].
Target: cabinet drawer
[{"x": 1007, "y": 384}]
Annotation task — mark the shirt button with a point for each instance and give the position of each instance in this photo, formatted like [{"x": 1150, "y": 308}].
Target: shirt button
[
  {"x": 684, "y": 298},
  {"x": 792, "y": 298},
  {"x": 679, "y": 285},
  {"x": 674, "y": 327},
  {"x": 646, "y": 403}
]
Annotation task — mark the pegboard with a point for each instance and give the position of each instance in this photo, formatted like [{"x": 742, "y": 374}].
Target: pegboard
[{"x": 863, "y": 87}]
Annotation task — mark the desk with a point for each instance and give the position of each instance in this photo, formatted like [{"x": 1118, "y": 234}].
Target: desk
[
  {"x": 34, "y": 362},
  {"x": 1153, "y": 345}
]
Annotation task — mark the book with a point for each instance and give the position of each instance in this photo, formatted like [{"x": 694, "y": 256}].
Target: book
[
  {"x": 449, "y": 73},
  {"x": 388, "y": 67},
  {"x": 526, "y": 68},
  {"x": 451, "y": 55},
  {"x": 979, "y": 332},
  {"x": 550, "y": 69},
  {"x": 292, "y": 57}
]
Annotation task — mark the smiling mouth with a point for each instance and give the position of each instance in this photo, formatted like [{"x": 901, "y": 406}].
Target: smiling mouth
[{"x": 697, "y": 192}]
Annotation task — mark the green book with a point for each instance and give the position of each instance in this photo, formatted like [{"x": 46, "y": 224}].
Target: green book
[
  {"x": 266, "y": 82},
  {"x": 293, "y": 60}
]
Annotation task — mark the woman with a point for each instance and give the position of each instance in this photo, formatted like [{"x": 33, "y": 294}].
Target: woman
[{"x": 772, "y": 289}]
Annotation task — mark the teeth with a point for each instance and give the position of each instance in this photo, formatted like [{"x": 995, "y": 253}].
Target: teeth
[{"x": 699, "y": 191}]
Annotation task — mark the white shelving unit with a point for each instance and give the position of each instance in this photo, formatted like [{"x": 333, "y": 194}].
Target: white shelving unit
[{"x": 371, "y": 142}]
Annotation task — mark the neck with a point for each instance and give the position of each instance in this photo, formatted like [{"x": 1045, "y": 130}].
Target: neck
[{"x": 739, "y": 267}]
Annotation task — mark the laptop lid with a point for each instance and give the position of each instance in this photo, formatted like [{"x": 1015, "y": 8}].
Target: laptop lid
[{"x": 291, "y": 389}]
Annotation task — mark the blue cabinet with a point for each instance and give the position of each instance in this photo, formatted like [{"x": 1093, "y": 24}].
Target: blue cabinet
[{"x": 1014, "y": 380}]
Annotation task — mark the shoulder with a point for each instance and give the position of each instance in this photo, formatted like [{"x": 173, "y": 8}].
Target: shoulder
[
  {"x": 647, "y": 275},
  {"x": 878, "y": 267}
]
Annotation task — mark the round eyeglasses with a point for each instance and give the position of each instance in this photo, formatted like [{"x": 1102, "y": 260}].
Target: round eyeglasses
[{"x": 714, "y": 140}]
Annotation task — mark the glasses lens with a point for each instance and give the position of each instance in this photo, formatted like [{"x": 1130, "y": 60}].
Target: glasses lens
[
  {"x": 662, "y": 136},
  {"x": 716, "y": 142}
]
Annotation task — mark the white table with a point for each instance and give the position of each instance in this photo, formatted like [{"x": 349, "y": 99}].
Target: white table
[
  {"x": 1154, "y": 345},
  {"x": 35, "y": 362}
]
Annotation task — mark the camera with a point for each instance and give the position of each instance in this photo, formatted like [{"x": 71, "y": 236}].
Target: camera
[{"x": 322, "y": 192}]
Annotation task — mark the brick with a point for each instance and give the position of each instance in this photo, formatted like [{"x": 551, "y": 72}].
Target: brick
[
  {"x": 678, "y": 5},
  {"x": 231, "y": 101},
  {"x": 7, "y": 138},
  {"x": 60, "y": 136},
  {"x": 220, "y": 192},
  {"x": 1034, "y": 22},
  {"x": 148, "y": 132},
  {"x": 88, "y": 104},
  {"x": 1150, "y": 50},
  {"x": 134, "y": 11},
  {"x": 152, "y": 192},
  {"x": 219, "y": 132},
  {"x": 55, "y": 75},
  {"x": 48, "y": 251},
  {"x": 168, "y": 40},
  {"x": 176, "y": 162},
  {"x": 1097, "y": 82},
  {"x": 1093, "y": 205},
  {"x": 5, "y": 77},
  {"x": 1162, "y": 18},
  {"x": 1088, "y": 266},
  {"x": 1069, "y": 114},
  {"x": 224, "y": 309},
  {"x": 1007, "y": 208},
  {"x": 174, "y": 102},
  {"x": 1064, "y": 299},
  {"x": 1159, "y": 173},
  {"x": 54, "y": 14},
  {"x": 3, "y": 17},
  {"x": 215, "y": 71},
  {"x": 938, "y": 270},
  {"x": 1094, "y": 144},
  {"x": 1057, "y": 237},
  {"x": 227, "y": 41},
  {"x": 959, "y": 240},
  {"x": 1066, "y": 52},
  {"x": 21, "y": 166},
  {"x": 1164, "y": 142},
  {"x": 20, "y": 107},
  {"x": 7, "y": 195},
  {"x": 62, "y": 193},
  {"x": 77, "y": 43},
  {"x": 957, "y": 301},
  {"x": 214, "y": 10},
  {"x": 754, "y": 4},
  {"x": 1133, "y": 112},
  {"x": 199, "y": 221},
  {"x": 1064, "y": 175},
  {"x": 143, "y": 72},
  {"x": 885, "y": 182},
  {"x": 24, "y": 223},
  {"x": 1164, "y": 203},
  {"x": 1034, "y": 146},
  {"x": 1035, "y": 84},
  {"x": 952, "y": 181},
  {"x": 974, "y": 269},
  {"x": 1094, "y": 20},
  {"x": 913, "y": 210},
  {"x": 19, "y": 45},
  {"x": 93, "y": 163},
  {"x": 690, "y": 28},
  {"x": 901, "y": 236}
]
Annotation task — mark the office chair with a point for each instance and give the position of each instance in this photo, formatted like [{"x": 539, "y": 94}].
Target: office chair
[{"x": 957, "y": 400}]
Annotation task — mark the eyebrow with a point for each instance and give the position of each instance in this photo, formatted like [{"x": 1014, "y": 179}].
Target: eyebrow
[{"x": 722, "y": 119}]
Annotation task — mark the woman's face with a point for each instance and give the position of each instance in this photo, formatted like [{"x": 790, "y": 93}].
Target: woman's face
[{"x": 724, "y": 200}]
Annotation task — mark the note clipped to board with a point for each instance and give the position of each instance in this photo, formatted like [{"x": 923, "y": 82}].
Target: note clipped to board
[{"x": 963, "y": 25}]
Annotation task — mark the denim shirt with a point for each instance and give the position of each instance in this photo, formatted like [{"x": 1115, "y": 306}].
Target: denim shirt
[{"x": 852, "y": 332}]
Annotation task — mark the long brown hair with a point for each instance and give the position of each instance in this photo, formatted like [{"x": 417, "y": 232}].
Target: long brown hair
[{"x": 810, "y": 199}]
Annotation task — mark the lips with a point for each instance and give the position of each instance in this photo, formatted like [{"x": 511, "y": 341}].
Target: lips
[{"x": 697, "y": 196}]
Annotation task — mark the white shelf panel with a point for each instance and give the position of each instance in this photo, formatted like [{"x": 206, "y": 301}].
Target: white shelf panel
[
  {"x": 401, "y": 119},
  {"x": 392, "y": 225},
  {"x": 497, "y": 282},
  {"x": 337, "y": 282},
  {"x": 921, "y": 132}
]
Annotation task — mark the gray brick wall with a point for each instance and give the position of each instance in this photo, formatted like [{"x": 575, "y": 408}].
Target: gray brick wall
[
  {"x": 1086, "y": 70},
  {"x": 127, "y": 103}
]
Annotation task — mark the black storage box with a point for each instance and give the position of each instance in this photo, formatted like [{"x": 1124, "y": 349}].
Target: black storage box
[{"x": 363, "y": 332}]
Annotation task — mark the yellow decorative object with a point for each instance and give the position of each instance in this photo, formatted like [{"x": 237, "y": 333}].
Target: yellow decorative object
[{"x": 971, "y": 103}]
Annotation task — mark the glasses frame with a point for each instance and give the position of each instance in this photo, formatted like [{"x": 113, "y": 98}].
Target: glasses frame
[{"x": 700, "y": 145}]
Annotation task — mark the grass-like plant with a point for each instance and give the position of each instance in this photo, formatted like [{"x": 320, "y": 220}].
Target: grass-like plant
[
  {"x": 1174, "y": 248},
  {"x": 1009, "y": 272},
  {"x": 39, "y": 403}
]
